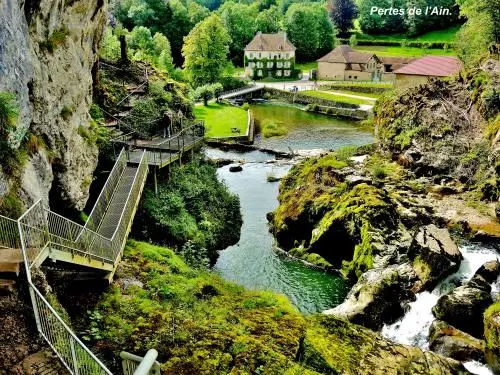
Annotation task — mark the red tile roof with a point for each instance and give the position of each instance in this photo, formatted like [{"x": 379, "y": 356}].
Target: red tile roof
[{"x": 438, "y": 66}]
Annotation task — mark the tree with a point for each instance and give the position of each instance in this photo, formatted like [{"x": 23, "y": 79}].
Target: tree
[
  {"x": 481, "y": 30},
  {"x": 309, "y": 29},
  {"x": 342, "y": 13},
  {"x": 239, "y": 20},
  {"x": 110, "y": 46},
  {"x": 269, "y": 20},
  {"x": 205, "y": 51},
  {"x": 376, "y": 24}
]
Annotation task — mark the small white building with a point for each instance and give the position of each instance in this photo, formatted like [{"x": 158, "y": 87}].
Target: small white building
[{"x": 270, "y": 55}]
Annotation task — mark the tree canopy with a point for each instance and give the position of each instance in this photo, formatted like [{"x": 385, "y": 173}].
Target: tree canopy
[
  {"x": 205, "y": 51},
  {"x": 309, "y": 29},
  {"x": 342, "y": 13}
]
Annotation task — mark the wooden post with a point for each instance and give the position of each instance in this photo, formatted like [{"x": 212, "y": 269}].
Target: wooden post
[{"x": 123, "y": 50}]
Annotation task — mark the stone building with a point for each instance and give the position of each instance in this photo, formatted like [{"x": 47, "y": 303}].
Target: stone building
[
  {"x": 420, "y": 70},
  {"x": 270, "y": 55}
]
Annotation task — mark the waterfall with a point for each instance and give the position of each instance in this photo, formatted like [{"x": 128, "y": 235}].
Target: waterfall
[{"x": 413, "y": 327}]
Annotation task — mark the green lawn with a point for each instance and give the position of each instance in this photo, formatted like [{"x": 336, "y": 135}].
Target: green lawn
[
  {"x": 368, "y": 95},
  {"x": 364, "y": 84},
  {"x": 396, "y": 51},
  {"x": 445, "y": 36},
  {"x": 306, "y": 67},
  {"x": 337, "y": 98},
  {"x": 220, "y": 118}
]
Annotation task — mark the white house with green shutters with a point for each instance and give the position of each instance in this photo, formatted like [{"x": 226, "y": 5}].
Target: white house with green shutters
[{"x": 270, "y": 55}]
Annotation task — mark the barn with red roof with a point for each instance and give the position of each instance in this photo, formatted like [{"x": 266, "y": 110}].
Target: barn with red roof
[{"x": 421, "y": 69}]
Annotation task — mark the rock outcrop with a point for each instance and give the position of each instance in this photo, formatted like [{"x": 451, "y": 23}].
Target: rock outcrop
[
  {"x": 434, "y": 255},
  {"x": 334, "y": 346},
  {"x": 465, "y": 305},
  {"x": 49, "y": 49},
  {"x": 453, "y": 343},
  {"x": 379, "y": 297}
]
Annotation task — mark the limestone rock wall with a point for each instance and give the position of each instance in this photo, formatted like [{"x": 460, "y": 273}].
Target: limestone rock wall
[{"x": 47, "y": 51}]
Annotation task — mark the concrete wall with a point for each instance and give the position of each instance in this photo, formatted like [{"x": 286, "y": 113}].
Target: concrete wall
[{"x": 408, "y": 80}]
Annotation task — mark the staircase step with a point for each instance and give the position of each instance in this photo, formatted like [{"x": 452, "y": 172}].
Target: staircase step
[
  {"x": 7, "y": 285},
  {"x": 10, "y": 267}
]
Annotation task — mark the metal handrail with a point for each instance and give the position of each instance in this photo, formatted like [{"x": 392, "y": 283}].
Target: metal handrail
[
  {"x": 135, "y": 365},
  {"x": 104, "y": 198}
]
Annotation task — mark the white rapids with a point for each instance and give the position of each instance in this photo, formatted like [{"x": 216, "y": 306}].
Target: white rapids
[{"x": 413, "y": 327}]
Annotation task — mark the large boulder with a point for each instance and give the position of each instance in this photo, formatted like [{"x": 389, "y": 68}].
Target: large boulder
[
  {"x": 464, "y": 306},
  {"x": 379, "y": 297},
  {"x": 434, "y": 255},
  {"x": 335, "y": 346},
  {"x": 492, "y": 335},
  {"x": 451, "y": 342}
]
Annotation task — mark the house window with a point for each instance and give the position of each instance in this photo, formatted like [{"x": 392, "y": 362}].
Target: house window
[
  {"x": 251, "y": 55},
  {"x": 350, "y": 77},
  {"x": 287, "y": 55},
  {"x": 260, "y": 64},
  {"x": 287, "y": 73},
  {"x": 278, "y": 73},
  {"x": 279, "y": 64},
  {"x": 269, "y": 64},
  {"x": 259, "y": 73},
  {"x": 260, "y": 55},
  {"x": 279, "y": 55},
  {"x": 355, "y": 77},
  {"x": 287, "y": 64},
  {"x": 252, "y": 65}
]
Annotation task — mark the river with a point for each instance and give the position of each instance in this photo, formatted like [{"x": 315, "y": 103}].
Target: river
[{"x": 253, "y": 261}]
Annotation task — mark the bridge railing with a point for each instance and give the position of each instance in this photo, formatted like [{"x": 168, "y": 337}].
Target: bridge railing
[
  {"x": 124, "y": 223},
  {"x": 242, "y": 89},
  {"x": 9, "y": 233},
  {"x": 134, "y": 365},
  {"x": 102, "y": 203}
]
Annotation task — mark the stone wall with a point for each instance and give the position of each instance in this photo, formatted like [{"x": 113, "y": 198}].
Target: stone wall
[{"x": 47, "y": 53}]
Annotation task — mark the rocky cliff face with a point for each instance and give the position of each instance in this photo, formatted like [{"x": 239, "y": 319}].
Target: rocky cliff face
[{"x": 47, "y": 51}]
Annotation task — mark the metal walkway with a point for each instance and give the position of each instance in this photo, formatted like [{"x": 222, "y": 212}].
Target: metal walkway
[{"x": 40, "y": 234}]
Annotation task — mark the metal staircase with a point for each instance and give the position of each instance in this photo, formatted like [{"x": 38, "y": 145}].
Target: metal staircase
[{"x": 40, "y": 234}]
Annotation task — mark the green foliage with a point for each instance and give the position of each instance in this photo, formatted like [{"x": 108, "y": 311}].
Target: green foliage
[
  {"x": 110, "y": 46},
  {"x": 353, "y": 41},
  {"x": 96, "y": 112},
  {"x": 310, "y": 30},
  {"x": 12, "y": 158},
  {"x": 207, "y": 92},
  {"x": 205, "y": 51},
  {"x": 342, "y": 14},
  {"x": 56, "y": 39},
  {"x": 66, "y": 112},
  {"x": 270, "y": 128},
  {"x": 239, "y": 20},
  {"x": 481, "y": 30},
  {"x": 191, "y": 206},
  {"x": 202, "y": 324},
  {"x": 10, "y": 205},
  {"x": 245, "y": 106},
  {"x": 268, "y": 21}
]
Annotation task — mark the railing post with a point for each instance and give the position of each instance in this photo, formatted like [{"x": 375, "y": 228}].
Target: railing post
[{"x": 73, "y": 355}]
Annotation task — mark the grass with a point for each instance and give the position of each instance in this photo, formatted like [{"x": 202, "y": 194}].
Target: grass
[
  {"x": 366, "y": 94},
  {"x": 273, "y": 129},
  {"x": 362, "y": 84},
  {"x": 335, "y": 97},
  {"x": 306, "y": 67},
  {"x": 220, "y": 118},
  {"x": 395, "y": 51},
  {"x": 446, "y": 36}
]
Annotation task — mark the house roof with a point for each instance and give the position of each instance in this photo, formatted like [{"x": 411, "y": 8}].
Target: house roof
[
  {"x": 438, "y": 66},
  {"x": 270, "y": 42},
  {"x": 345, "y": 54}
]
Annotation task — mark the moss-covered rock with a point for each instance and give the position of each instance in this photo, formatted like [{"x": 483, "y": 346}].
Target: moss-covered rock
[
  {"x": 434, "y": 255},
  {"x": 198, "y": 322},
  {"x": 453, "y": 343},
  {"x": 492, "y": 327},
  {"x": 380, "y": 296},
  {"x": 334, "y": 346}
]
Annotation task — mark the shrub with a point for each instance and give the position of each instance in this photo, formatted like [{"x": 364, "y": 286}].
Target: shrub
[
  {"x": 245, "y": 106},
  {"x": 272, "y": 129},
  {"x": 56, "y": 39},
  {"x": 96, "y": 112}
]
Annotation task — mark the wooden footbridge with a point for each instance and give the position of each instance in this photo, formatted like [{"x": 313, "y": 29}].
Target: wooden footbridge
[{"x": 41, "y": 234}]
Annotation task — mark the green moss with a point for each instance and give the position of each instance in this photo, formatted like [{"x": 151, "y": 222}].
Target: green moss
[
  {"x": 271, "y": 128},
  {"x": 10, "y": 205},
  {"x": 66, "y": 112},
  {"x": 56, "y": 39},
  {"x": 492, "y": 326},
  {"x": 198, "y": 322},
  {"x": 362, "y": 259}
]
